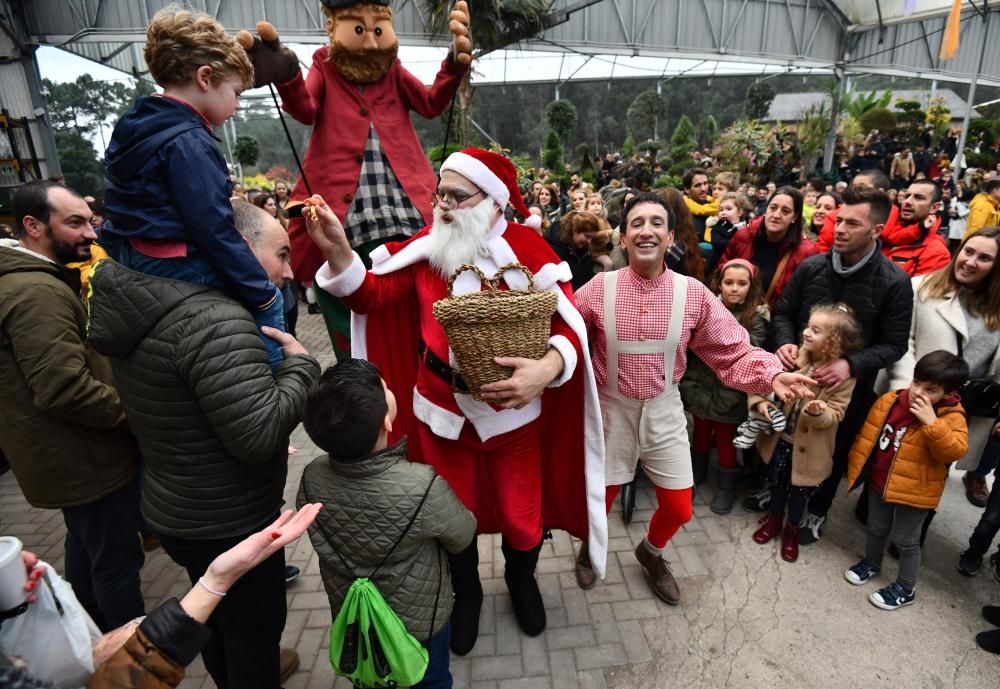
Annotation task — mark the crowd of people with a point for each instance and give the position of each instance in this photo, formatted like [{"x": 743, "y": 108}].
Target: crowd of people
[{"x": 805, "y": 332}]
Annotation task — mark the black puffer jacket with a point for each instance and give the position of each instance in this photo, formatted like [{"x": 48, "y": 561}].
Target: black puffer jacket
[
  {"x": 211, "y": 419},
  {"x": 879, "y": 293}
]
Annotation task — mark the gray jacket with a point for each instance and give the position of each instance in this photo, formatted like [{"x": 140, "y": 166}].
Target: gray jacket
[{"x": 367, "y": 505}]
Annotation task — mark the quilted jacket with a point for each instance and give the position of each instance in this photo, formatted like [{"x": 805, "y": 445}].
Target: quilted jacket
[
  {"x": 367, "y": 505},
  {"x": 880, "y": 295},
  {"x": 211, "y": 419},
  {"x": 62, "y": 427},
  {"x": 920, "y": 468}
]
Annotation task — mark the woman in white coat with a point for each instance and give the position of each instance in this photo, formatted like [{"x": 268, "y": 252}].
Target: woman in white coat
[{"x": 957, "y": 308}]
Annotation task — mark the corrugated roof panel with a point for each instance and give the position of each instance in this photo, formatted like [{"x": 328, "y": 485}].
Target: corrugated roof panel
[{"x": 14, "y": 94}]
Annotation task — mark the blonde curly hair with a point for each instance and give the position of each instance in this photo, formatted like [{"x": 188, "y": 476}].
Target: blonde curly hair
[{"x": 179, "y": 41}]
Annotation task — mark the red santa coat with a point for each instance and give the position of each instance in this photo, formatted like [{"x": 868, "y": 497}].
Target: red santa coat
[
  {"x": 341, "y": 115},
  {"x": 391, "y": 308}
]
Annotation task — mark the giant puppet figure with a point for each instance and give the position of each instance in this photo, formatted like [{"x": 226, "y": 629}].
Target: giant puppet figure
[
  {"x": 363, "y": 154},
  {"x": 531, "y": 455}
]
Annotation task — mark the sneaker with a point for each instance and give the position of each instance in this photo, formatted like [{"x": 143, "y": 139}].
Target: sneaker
[
  {"x": 860, "y": 573},
  {"x": 995, "y": 565},
  {"x": 811, "y": 528},
  {"x": 758, "y": 502},
  {"x": 891, "y": 597},
  {"x": 969, "y": 563},
  {"x": 291, "y": 574}
]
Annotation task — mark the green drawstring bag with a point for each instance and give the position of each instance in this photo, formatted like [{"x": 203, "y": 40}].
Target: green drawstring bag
[{"x": 369, "y": 644}]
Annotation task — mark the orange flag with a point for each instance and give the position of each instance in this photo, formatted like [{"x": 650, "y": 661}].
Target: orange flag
[{"x": 949, "y": 41}]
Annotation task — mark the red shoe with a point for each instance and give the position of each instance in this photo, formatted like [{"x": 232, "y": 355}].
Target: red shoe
[
  {"x": 771, "y": 528},
  {"x": 790, "y": 543}
]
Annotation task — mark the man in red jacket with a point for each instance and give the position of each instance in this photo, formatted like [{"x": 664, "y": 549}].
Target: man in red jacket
[
  {"x": 530, "y": 455},
  {"x": 363, "y": 154}
]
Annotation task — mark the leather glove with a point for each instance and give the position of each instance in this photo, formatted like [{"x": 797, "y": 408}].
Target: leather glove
[{"x": 272, "y": 62}]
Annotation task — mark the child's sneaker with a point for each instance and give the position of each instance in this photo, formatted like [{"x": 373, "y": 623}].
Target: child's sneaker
[
  {"x": 969, "y": 563},
  {"x": 758, "y": 502},
  {"x": 891, "y": 597},
  {"x": 811, "y": 529},
  {"x": 995, "y": 565},
  {"x": 860, "y": 573}
]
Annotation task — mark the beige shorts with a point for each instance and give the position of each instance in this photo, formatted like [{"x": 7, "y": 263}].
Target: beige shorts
[{"x": 653, "y": 432}]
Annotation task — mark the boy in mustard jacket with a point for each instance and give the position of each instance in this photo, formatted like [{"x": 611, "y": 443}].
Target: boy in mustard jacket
[{"x": 903, "y": 452}]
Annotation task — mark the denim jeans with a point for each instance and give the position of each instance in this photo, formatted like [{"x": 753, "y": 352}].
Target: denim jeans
[
  {"x": 989, "y": 524},
  {"x": 247, "y": 624},
  {"x": 438, "y": 675},
  {"x": 783, "y": 493},
  {"x": 195, "y": 269},
  {"x": 104, "y": 556}
]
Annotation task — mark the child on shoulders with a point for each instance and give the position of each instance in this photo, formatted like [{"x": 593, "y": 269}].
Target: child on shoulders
[
  {"x": 167, "y": 186},
  {"x": 902, "y": 453},
  {"x": 371, "y": 492}
]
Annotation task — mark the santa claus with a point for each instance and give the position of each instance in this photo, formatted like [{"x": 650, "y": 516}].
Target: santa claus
[
  {"x": 530, "y": 457},
  {"x": 363, "y": 154}
]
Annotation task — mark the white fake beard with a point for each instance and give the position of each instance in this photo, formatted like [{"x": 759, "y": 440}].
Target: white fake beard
[{"x": 459, "y": 241}]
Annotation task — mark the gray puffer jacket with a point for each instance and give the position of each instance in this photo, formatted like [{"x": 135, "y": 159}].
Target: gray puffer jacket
[
  {"x": 367, "y": 505},
  {"x": 211, "y": 419}
]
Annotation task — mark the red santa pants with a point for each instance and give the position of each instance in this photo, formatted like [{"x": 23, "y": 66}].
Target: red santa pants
[{"x": 500, "y": 480}]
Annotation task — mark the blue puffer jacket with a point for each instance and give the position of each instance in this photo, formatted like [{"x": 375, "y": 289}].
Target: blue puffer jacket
[{"x": 165, "y": 179}]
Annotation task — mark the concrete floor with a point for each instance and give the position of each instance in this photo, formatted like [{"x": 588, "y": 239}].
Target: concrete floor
[{"x": 747, "y": 620}]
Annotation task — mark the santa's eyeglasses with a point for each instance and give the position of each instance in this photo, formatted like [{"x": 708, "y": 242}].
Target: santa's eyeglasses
[{"x": 453, "y": 199}]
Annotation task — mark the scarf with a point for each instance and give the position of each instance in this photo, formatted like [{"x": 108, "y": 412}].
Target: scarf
[{"x": 838, "y": 263}]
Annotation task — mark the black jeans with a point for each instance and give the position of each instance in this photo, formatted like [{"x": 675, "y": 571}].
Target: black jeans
[
  {"x": 783, "y": 493},
  {"x": 990, "y": 458},
  {"x": 854, "y": 416},
  {"x": 247, "y": 624},
  {"x": 989, "y": 524},
  {"x": 104, "y": 556}
]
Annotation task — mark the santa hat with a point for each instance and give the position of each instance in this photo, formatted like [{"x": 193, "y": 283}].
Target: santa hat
[{"x": 496, "y": 176}]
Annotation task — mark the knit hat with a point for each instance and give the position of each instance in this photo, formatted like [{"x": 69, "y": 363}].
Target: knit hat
[{"x": 496, "y": 176}]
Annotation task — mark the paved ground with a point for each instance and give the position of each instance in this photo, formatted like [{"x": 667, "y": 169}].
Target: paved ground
[{"x": 747, "y": 620}]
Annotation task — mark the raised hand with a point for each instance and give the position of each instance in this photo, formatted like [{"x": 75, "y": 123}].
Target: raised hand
[
  {"x": 458, "y": 24},
  {"x": 790, "y": 386},
  {"x": 272, "y": 62},
  {"x": 327, "y": 233}
]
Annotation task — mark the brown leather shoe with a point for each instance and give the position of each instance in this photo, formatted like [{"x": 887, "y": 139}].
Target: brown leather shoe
[
  {"x": 661, "y": 579},
  {"x": 288, "y": 663},
  {"x": 975, "y": 489},
  {"x": 585, "y": 576}
]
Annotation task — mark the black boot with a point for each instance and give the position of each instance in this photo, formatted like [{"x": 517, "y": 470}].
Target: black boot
[
  {"x": 525, "y": 597},
  {"x": 468, "y": 599},
  {"x": 699, "y": 467}
]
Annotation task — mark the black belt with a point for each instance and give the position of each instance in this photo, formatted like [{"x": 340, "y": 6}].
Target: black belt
[{"x": 440, "y": 368}]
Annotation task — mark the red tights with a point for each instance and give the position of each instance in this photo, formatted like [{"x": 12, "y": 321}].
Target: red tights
[
  {"x": 673, "y": 510},
  {"x": 701, "y": 443}
]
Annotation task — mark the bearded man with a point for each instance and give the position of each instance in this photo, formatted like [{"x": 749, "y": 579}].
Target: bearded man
[
  {"x": 490, "y": 452},
  {"x": 363, "y": 154}
]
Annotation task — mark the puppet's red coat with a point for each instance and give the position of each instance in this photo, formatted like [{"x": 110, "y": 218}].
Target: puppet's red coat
[
  {"x": 392, "y": 312},
  {"x": 341, "y": 115}
]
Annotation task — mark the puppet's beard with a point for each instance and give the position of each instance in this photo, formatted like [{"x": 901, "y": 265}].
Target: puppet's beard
[
  {"x": 364, "y": 67},
  {"x": 459, "y": 241}
]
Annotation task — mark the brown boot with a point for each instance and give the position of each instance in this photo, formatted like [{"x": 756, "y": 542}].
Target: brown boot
[
  {"x": 975, "y": 489},
  {"x": 661, "y": 579},
  {"x": 288, "y": 663},
  {"x": 585, "y": 576}
]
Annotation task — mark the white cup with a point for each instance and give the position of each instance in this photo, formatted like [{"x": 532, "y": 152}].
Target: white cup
[{"x": 13, "y": 576}]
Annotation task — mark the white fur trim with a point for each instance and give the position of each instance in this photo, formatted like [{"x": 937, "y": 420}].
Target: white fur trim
[
  {"x": 359, "y": 335},
  {"x": 489, "y": 422},
  {"x": 533, "y": 221},
  {"x": 442, "y": 422},
  {"x": 379, "y": 254},
  {"x": 414, "y": 252},
  {"x": 345, "y": 284},
  {"x": 480, "y": 175},
  {"x": 568, "y": 353}
]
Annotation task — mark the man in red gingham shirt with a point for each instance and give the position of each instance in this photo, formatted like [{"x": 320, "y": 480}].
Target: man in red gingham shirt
[{"x": 641, "y": 321}]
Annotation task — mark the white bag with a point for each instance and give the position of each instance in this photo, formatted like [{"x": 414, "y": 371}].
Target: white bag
[{"x": 55, "y": 636}]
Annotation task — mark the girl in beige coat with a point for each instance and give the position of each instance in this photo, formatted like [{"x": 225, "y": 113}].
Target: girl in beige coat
[{"x": 801, "y": 455}]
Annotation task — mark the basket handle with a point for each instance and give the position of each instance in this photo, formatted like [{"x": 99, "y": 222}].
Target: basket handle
[
  {"x": 485, "y": 281},
  {"x": 513, "y": 266}
]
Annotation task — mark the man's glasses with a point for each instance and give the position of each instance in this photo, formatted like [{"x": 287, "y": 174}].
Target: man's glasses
[{"x": 453, "y": 199}]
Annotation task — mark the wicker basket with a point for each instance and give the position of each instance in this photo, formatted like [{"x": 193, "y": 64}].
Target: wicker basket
[{"x": 495, "y": 322}]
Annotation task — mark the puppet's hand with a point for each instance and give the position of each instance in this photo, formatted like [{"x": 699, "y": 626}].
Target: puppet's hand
[
  {"x": 273, "y": 63},
  {"x": 458, "y": 24}
]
